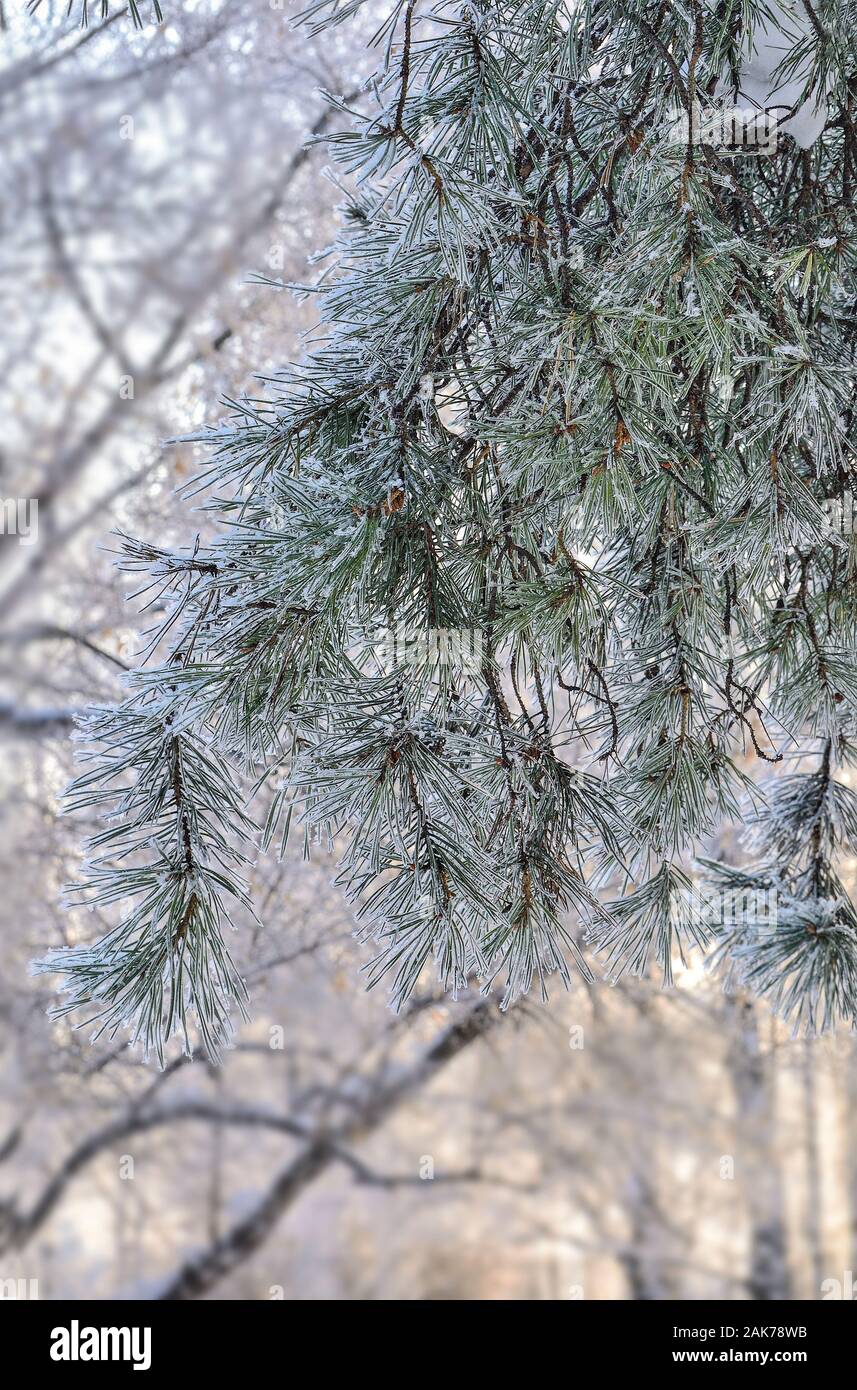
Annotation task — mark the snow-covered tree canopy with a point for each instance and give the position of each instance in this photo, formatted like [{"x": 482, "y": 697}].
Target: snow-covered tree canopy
[{"x": 533, "y": 563}]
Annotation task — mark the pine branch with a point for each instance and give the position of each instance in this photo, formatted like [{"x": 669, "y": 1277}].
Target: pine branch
[{"x": 527, "y": 569}]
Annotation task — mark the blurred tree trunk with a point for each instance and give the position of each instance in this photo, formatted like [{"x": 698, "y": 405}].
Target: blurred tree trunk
[
  {"x": 752, "y": 1083},
  {"x": 214, "y": 1203},
  {"x": 851, "y": 1091},
  {"x": 645, "y": 1269},
  {"x": 814, "y": 1236}
]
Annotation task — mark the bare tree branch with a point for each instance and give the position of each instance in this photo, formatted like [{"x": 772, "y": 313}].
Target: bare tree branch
[
  {"x": 201, "y": 1273},
  {"x": 51, "y": 632}
]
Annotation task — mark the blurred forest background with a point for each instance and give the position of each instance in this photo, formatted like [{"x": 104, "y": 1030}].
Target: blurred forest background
[{"x": 617, "y": 1143}]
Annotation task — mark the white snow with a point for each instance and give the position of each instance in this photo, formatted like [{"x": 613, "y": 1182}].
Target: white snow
[{"x": 772, "y": 40}]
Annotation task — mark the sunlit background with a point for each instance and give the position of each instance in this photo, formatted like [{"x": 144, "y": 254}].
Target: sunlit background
[{"x": 613, "y": 1143}]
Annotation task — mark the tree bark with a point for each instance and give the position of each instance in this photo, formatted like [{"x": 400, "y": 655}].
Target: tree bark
[{"x": 757, "y": 1161}]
